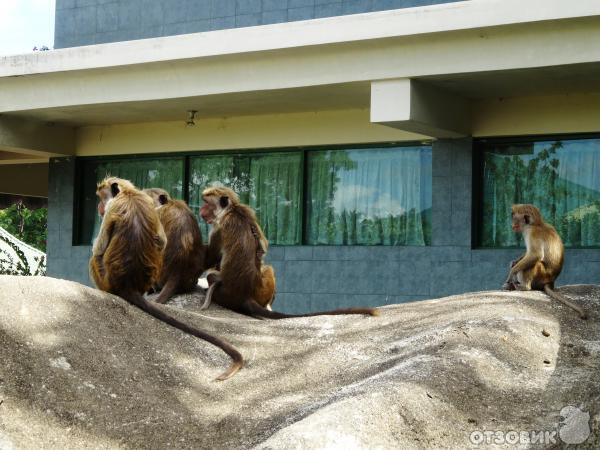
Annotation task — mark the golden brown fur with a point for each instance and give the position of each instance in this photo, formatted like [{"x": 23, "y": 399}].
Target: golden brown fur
[
  {"x": 127, "y": 255},
  {"x": 542, "y": 263},
  {"x": 237, "y": 245},
  {"x": 183, "y": 260}
]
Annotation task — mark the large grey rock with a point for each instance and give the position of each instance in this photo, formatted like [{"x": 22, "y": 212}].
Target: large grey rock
[{"x": 83, "y": 369}]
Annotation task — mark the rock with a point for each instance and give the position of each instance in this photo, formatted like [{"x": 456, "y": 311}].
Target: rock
[{"x": 84, "y": 369}]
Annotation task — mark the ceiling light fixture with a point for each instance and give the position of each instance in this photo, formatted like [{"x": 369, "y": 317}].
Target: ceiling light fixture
[{"x": 191, "y": 118}]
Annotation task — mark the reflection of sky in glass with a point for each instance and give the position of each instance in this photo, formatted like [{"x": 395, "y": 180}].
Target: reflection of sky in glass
[{"x": 385, "y": 182}]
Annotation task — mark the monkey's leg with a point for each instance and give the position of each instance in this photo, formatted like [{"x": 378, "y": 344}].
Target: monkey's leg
[{"x": 168, "y": 290}]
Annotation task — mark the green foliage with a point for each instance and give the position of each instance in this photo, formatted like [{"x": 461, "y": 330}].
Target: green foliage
[
  {"x": 530, "y": 173},
  {"x": 27, "y": 225}
]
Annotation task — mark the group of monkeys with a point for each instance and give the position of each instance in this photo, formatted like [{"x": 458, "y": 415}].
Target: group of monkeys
[{"x": 151, "y": 242}]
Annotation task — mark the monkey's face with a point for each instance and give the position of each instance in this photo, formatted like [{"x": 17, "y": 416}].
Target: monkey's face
[
  {"x": 208, "y": 210},
  {"x": 104, "y": 198},
  {"x": 519, "y": 221}
]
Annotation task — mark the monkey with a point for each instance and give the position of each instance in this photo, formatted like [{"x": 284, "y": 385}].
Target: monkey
[
  {"x": 543, "y": 260},
  {"x": 183, "y": 257},
  {"x": 238, "y": 242},
  {"x": 264, "y": 293},
  {"x": 127, "y": 256}
]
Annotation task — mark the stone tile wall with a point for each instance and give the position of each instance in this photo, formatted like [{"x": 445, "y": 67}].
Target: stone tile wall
[{"x": 86, "y": 22}]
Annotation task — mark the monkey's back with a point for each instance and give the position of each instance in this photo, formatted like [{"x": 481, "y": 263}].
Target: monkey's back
[
  {"x": 239, "y": 269},
  {"x": 133, "y": 257},
  {"x": 554, "y": 252},
  {"x": 184, "y": 254}
]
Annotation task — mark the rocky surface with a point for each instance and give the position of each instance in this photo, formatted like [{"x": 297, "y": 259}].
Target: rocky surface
[{"x": 83, "y": 369}]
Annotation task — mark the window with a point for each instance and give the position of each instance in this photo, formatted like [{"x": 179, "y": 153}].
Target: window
[
  {"x": 376, "y": 196},
  {"x": 166, "y": 173},
  {"x": 270, "y": 183},
  {"x": 361, "y": 196},
  {"x": 561, "y": 177}
]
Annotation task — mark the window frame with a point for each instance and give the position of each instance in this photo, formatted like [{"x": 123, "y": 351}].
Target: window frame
[
  {"x": 478, "y": 159},
  {"x": 187, "y": 155}
]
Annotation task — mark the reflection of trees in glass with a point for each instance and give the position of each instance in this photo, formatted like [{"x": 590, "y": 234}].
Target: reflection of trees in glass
[
  {"x": 165, "y": 173},
  {"x": 550, "y": 175},
  {"x": 270, "y": 183},
  {"x": 369, "y": 197}
]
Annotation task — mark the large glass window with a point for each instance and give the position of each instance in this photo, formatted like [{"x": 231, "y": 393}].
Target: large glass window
[
  {"x": 166, "y": 173},
  {"x": 560, "y": 177},
  {"x": 270, "y": 183},
  {"x": 375, "y": 196},
  {"x": 366, "y": 196}
]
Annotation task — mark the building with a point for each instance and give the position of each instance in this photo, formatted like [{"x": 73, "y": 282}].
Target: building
[{"x": 382, "y": 150}]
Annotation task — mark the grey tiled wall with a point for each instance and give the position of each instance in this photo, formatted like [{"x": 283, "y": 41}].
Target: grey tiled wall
[
  {"x": 85, "y": 22},
  {"x": 317, "y": 278}
]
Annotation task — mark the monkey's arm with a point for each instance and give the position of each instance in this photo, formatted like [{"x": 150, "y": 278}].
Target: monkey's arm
[
  {"x": 104, "y": 236},
  {"x": 527, "y": 261},
  {"x": 213, "y": 252}
]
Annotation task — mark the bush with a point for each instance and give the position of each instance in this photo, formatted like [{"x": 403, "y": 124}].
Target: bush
[{"x": 27, "y": 225}]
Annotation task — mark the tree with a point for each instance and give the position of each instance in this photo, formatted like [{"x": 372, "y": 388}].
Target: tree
[{"x": 28, "y": 225}]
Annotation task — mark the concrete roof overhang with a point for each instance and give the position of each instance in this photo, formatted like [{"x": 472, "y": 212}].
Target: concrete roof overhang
[{"x": 416, "y": 69}]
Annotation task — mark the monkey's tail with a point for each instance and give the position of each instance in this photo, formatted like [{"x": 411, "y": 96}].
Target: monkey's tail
[
  {"x": 255, "y": 309},
  {"x": 167, "y": 291},
  {"x": 561, "y": 298},
  {"x": 156, "y": 312}
]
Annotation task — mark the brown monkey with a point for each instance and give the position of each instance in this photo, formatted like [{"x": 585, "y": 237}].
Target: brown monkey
[
  {"x": 543, "y": 261},
  {"x": 264, "y": 293},
  {"x": 239, "y": 243},
  {"x": 183, "y": 258},
  {"x": 127, "y": 255}
]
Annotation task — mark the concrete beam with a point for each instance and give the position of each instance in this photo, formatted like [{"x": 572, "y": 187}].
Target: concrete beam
[
  {"x": 416, "y": 107},
  {"x": 38, "y": 139},
  {"x": 24, "y": 179}
]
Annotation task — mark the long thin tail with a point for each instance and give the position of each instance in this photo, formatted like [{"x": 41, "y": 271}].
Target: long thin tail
[
  {"x": 561, "y": 298},
  {"x": 252, "y": 308},
  {"x": 209, "y": 294},
  {"x": 155, "y": 311},
  {"x": 167, "y": 291}
]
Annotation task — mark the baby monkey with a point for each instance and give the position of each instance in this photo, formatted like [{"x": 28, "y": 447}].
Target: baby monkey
[{"x": 542, "y": 263}]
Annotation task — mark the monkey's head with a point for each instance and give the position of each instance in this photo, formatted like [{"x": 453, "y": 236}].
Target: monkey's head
[
  {"x": 108, "y": 189},
  {"x": 524, "y": 216},
  {"x": 216, "y": 201},
  {"x": 160, "y": 197}
]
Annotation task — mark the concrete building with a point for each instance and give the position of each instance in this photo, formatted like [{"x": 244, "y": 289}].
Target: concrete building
[{"x": 381, "y": 142}]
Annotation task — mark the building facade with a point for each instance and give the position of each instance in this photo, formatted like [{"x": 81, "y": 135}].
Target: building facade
[{"x": 380, "y": 142}]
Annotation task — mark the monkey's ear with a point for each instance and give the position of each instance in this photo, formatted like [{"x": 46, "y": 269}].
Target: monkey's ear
[
  {"x": 114, "y": 189},
  {"x": 224, "y": 201},
  {"x": 162, "y": 199},
  {"x": 527, "y": 219}
]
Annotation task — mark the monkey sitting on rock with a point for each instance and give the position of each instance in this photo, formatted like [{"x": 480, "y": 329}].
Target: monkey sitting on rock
[
  {"x": 237, "y": 246},
  {"x": 542, "y": 263},
  {"x": 183, "y": 257}
]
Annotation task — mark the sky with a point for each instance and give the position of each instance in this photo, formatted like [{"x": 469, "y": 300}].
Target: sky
[{"x": 25, "y": 24}]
